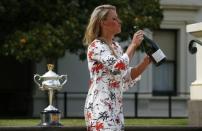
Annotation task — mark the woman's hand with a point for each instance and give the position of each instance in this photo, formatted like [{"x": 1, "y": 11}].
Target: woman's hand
[
  {"x": 136, "y": 71},
  {"x": 147, "y": 60},
  {"x": 137, "y": 38},
  {"x": 136, "y": 41}
]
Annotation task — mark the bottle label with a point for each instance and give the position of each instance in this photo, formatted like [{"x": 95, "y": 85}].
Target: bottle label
[{"x": 158, "y": 55}]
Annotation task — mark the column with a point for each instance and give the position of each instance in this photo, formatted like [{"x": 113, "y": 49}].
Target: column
[{"x": 195, "y": 102}]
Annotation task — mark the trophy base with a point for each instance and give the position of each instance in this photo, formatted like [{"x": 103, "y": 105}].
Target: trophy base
[{"x": 50, "y": 118}]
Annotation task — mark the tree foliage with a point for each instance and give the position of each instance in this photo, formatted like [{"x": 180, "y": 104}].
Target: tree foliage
[{"x": 34, "y": 29}]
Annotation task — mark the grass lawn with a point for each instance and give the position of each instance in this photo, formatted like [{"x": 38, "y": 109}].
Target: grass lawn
[
  {"x": 156, "y": 122},
  {"x": 80, "y": 122}
]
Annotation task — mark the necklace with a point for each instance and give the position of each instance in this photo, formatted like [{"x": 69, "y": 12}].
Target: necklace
[{"x": 109, "y": 45}]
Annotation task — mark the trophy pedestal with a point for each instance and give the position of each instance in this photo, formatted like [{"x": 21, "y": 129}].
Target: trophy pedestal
[{"x": 50, "y": 118}]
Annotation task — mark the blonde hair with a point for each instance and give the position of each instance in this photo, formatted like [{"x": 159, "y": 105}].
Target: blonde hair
[{"x": 93, "y": 29}]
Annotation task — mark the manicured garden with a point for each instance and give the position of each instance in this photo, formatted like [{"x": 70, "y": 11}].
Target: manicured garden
[{"x": 81, "y": 122}]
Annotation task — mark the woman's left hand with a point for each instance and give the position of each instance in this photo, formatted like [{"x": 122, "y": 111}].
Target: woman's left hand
[{"x": 137, "y": 38}]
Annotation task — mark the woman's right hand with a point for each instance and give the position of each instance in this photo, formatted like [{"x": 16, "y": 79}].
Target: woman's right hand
[
  {"x": 137, "y": 38},
  {"x": 147, "y": 60}
]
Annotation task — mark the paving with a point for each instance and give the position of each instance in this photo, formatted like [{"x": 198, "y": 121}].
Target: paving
[{"x": 82, "y": 128}]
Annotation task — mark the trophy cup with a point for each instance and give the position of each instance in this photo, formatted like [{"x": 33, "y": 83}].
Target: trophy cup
[{"x": 50, "y": 82}]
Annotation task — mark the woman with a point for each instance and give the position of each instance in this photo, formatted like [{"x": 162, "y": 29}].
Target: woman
[{"x": 110, "y": 74}]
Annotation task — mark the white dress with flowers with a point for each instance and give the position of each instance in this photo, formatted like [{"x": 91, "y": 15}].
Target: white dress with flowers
[{"x": 109, "y": 78}]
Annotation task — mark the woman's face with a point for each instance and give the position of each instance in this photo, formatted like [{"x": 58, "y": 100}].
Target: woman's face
[{"x": 112, "y": 23}]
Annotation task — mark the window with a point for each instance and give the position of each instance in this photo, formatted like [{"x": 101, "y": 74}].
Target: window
[{"x": 164, "y": 76}]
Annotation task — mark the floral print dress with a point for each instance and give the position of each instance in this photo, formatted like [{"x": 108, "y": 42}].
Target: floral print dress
[{"x": 109, "y": 78}]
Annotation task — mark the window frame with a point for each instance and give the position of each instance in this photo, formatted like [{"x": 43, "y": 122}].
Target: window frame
[{"x": 174, "y": 91}]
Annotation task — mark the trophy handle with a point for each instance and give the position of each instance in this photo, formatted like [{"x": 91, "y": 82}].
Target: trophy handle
[
  {"x": 37, "y": 79},
  {"x": 64, "y": 78}
]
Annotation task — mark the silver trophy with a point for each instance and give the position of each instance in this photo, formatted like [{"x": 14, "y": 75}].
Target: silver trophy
[{"x": 50, "y": 82}]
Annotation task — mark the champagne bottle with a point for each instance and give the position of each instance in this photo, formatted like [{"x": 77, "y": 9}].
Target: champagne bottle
[{"x": 152, "y": 49}]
